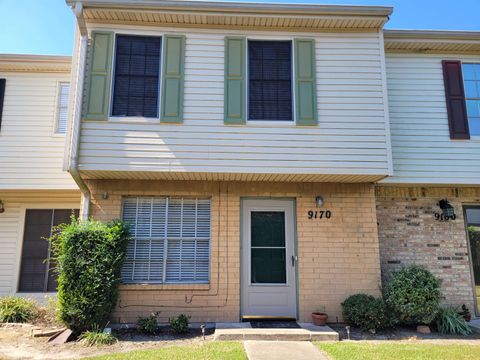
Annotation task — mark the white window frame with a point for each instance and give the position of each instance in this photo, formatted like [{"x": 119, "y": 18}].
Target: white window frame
[
  {"x": 166, "y": 238},
  {"x": 267, "y": 123},
  {"x": 55, "y": 131},
  {"x": 472, "y": 136},
  {"x": 136, "y": 119}
]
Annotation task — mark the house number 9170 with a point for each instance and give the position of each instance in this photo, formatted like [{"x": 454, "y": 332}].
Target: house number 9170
[{"x": 323, "y": 214}]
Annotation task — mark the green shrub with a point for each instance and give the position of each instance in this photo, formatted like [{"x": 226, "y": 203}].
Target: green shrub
[
  {"x": 89, "y": 256},
  {"x": 413, "y": 294},
  {"x": 449, "y": 321},
  {"x": 17, "y": 309},
  {"x": 366, "y": 312},
  {"x": 179, "y": 324},
  {"x": 97, "y": 337},
  {"x": 148, "y": 324}
]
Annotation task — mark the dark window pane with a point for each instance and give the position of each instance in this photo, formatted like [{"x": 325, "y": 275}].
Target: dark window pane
[
  {"x": 137, "y": 63},
  {"x": 268, "y": 266},
  {"x": 270, "y": 80},
  {"x": 268, "y": 228},
  {"x": 473, "y": 228},
  {"x": 36, "y": 273}
]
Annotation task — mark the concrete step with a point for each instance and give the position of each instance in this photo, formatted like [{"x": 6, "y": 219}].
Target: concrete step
[{"x": 243, "y": 331}]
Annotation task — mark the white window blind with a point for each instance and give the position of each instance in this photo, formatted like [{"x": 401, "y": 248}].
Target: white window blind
[
  {"x": 171, "y": 240},
  {"x": 62, "y": 108}
]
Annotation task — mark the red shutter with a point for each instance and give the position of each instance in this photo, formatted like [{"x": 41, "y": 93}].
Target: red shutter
[
  {"x": 455, "y": 96},
  {"x": 2, "y": 96}
]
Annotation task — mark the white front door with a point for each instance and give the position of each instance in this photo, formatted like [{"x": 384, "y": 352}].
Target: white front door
[{"x": 268, "y": 259}]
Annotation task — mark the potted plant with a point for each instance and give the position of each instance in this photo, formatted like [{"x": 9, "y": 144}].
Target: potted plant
[
  {"x": 465, "y": 312},
  {"x": 319, "y": 318}
]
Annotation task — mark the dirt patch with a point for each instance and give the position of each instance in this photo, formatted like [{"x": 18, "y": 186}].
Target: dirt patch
[
  {"x": 404, "y": 334},
  {"x": 17, "y": 343}
]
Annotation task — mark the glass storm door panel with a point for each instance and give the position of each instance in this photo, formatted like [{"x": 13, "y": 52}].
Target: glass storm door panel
[
  {"x": 268, "y": 259},
  {"x": 473, "y": 229},
  {"x": 268, "y": 252}
]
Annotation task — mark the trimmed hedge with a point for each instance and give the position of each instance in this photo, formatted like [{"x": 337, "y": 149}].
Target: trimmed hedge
[
  {"x": 366, "y": 312},
  {"x": 413, "y": 293},
  {"x": 89, "y": 256}
]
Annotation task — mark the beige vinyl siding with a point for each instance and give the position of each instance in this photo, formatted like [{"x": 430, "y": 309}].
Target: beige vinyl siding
[
  {"x": 31, "y": 154},
  {"x": 421, "y": 145},
  {"x": 350, "y": 138},
  {"x": 12, "y": 222}
]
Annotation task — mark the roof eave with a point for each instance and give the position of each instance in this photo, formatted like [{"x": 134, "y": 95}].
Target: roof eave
[{"x": 243, "y": 7}]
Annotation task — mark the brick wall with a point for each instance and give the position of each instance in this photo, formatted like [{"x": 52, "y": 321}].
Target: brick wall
[
  {"x": 409, "y": 234},
  {"x": 337, "y": 257}
]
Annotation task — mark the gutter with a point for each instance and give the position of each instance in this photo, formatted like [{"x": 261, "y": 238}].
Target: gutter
[
  {"x": 236, "y": 7},
  {"x": 80, "y": 54}
]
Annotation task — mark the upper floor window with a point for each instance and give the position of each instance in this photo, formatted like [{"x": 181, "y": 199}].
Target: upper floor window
[
  {"x": 471, "y": 79},
  {"x": 62, "y": 108},
  {"x": 136, "y": 78},
  {"x": 270, "y": 80}
]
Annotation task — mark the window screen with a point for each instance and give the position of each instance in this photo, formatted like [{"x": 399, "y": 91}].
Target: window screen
[
  {"x": 270, "y": 80},
  {"x": 171, "y": 240},
  {"x": 471, "y": 79},
  {"x": 137, "y": 67},
  {"x": 62, "y": 108},
  {"x": 37, "y": 270}
]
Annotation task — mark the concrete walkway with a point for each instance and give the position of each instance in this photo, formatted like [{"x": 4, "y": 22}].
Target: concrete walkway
[{"x": 282, "y": 350}]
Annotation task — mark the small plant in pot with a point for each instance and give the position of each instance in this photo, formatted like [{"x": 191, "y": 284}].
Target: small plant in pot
[
  {"x": 319, "y": 318},
  {"x": 465, "y": 313}
]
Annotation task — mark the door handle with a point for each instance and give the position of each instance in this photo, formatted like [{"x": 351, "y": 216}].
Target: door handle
[{"x": 294, "y": 258}]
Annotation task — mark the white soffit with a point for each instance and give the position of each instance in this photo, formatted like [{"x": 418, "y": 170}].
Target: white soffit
[
  {"x": 292, "y": 17},
  {"x": 432, "y": 41}
]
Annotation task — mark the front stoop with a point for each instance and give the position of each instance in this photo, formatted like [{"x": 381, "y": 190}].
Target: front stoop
[{"x": 243, "y": 331}]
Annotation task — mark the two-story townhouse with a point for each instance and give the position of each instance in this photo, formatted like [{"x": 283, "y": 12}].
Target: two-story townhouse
[
  {"x": 35, "y": 194},
  {"x": 425, "y": 208},
  {"x": 242, "y": 142}
]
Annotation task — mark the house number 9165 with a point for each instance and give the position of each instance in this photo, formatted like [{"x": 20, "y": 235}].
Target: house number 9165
[{"x": 323, "y": 214}]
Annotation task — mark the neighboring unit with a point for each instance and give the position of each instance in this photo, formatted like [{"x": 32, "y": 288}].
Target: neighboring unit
[
  {"x": 35, "y": 194},
  {"x": 434, "y": 99}
]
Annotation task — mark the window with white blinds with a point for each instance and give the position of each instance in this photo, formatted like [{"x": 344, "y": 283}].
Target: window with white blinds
[
  {"x": 171, "y": 240},
  {"x": 62, "y": 108}
]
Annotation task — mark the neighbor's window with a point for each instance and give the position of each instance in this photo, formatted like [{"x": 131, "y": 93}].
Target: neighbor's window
[
  {"x": 62, "y": 108},
  {"x": 37, "y": 270},
  {"x": 171, "y": 240},
  {"x": 270, "y": 80},
  {"x": 136, "y": 79},
  {"x": 471, "y": 79}
]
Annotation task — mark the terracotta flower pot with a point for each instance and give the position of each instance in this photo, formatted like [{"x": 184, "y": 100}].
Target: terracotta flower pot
[
  {"x": 423, "y": 329},
  {"x": 319, "y": 319}
]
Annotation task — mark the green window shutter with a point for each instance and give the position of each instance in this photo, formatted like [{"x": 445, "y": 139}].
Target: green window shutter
[
  {"x": 173, "y": 78},
  {"x": 305, "y": 82},
  {"x": 99, "y": 76},
  {"x": 235, "y": 74}
]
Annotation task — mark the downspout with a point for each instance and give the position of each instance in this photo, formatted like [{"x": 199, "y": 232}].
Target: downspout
[{"x": 81, "y": 54}]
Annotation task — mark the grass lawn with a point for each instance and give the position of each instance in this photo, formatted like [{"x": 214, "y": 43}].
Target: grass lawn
[
  {"x": 389, "y": 351},
  {"x": 208, "y": 351}
]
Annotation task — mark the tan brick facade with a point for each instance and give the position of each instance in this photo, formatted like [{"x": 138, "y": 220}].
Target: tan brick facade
[
  {"x": 409, "y": 234},
  {"x": 337, "y": 257}
]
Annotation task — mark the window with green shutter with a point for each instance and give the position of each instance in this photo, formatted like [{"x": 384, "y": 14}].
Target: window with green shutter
[{"x": 277, "y": 90}]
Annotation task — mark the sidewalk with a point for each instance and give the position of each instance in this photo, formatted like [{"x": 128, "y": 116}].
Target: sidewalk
[{"x": 282, "y": 350}]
